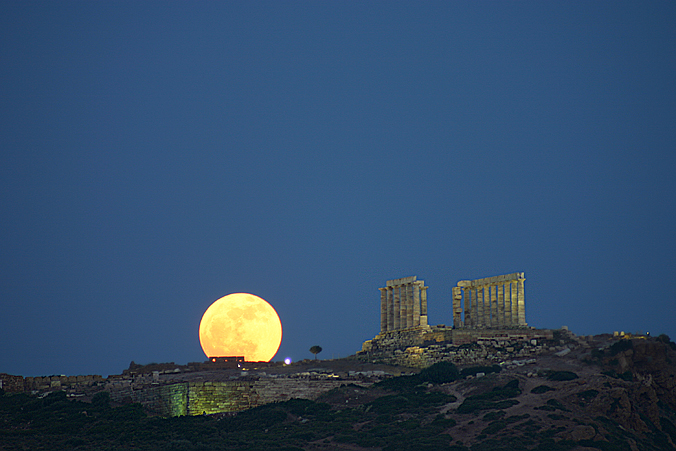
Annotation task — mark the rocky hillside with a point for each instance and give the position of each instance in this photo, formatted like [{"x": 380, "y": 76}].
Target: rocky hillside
[{"x": 613, "y": 394}]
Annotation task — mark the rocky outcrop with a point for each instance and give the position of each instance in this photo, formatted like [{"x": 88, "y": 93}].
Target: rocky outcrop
[
  {"x": 640, "y": 383},
  {"x": 462, "y": 347}
]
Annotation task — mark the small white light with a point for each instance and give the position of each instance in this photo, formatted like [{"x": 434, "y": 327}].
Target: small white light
[{"x": 287, "y": 360}]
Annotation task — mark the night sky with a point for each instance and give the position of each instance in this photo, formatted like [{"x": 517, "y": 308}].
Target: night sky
[{"x": 155, "y": 156}]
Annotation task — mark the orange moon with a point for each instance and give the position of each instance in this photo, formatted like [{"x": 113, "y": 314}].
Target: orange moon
[{"x": 241, "y": 324}]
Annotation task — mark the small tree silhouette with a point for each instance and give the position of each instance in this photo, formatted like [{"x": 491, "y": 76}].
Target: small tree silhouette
[{"x": 316, "y": 350}]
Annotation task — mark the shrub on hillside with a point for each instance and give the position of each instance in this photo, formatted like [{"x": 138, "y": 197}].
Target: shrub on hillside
[
  {"x": 472, "y": 371},
  {"x": 627, "y": 375},
  {"x": 440, "y": 373},
  {"x": 664, "y": 338},
  {"x": 399, "y": 383},
  {"x": 258, "y": 418},
  {"x": 561, "y": 376},
  {"x": 553, "y": 405},
  {"x": 391, "y": 404},
  {"x": 542, "y": 389},
  {"x": 304, "y": 407},
  {"x": 588, "y": 394},
  {"x": 498, "y": 398},
  {"x": 492, "y": 416},
  {"x": 101, "y": 401},
  {"x": 621, "y": 346}
]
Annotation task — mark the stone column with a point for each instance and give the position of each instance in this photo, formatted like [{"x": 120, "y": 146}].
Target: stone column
[
  {"x": 494, "y": 306},
  {"x": 409, "y": 305},
  {"x": 508, "y": 305},
  {"x": 487, "y": 305},
  {"x": 403, "y": 307},
  {"x": 480, "y": 306},
  {"x": 521, "y": 300},
  {"x": 508, "y": 299},
  {"x": 390, "y": 309},
  {"x": 423, "y": 305},
  {"x": 475, "y": 306},
  {"x": 416, "y": 305},
  {"x": 457, "y": 307},
  {"x": 515, "y": 305},
  {"x": 383, "y": 310},
  {"x": 501, "y": 304},
  {"x": 468, "y": 306},
  {"x": 397, "y": 308}
]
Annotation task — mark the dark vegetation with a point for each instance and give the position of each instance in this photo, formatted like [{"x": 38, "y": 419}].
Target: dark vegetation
[
  {"x": 664, "y": 338},
  {"x": 627, "y": 375},
  {"x": 401, "y": 413},
  {"x": 588, "y": 395},
  {"x": 439, "y": 373},
  {"x": 498, "y": 398},
  {"x": 620, "y": 346},
  {"x": 316, "y": 350},
  {"x": 553, "y": 405},
  {"x": 542, "y": 389},
  {"x": 472, "y": 371},
  {"x": 561, "y": 376},
  {"x": 404, "y": 418}
]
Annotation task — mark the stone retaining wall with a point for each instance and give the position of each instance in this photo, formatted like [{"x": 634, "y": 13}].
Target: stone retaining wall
[
  {"x": 388, "y": 342},
  {"x": 420, "y": 349},
  {"x": 56, "y": 382},
  {"x": 11, "y": 383},
  {"x": 197, "y": 398},
  {"x": 166, "y": 400}
]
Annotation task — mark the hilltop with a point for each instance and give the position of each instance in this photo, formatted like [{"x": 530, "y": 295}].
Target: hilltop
[{"x": 615, "y": 394}]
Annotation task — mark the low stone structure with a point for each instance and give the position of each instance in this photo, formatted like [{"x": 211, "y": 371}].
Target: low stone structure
[
  {"x": 58, "y": 382},
  {"x": 482, "y": 351},
  {"x": 226, "y": 362},
  {"x": 200, "y": 397},
  {"x": 419, "y": 349},
  {"x": 11, "y": 383}
]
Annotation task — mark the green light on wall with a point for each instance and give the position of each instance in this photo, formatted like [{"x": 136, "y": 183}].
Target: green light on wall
[{"x": 176, "y": 396}]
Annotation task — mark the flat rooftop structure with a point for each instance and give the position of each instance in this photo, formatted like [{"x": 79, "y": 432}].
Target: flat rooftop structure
[{"x": 226, "y": 362}]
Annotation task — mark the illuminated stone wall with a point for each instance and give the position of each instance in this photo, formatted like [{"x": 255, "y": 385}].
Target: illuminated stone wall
[
  {"x": 165, "y": 400},
  {"x": 388, "y": 342},
  {"x": 283, "y": 389},
  {"x": 215, "y": 397},
  {"x": 197, "y": 398}
]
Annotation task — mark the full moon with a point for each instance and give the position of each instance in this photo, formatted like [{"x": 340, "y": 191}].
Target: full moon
[{"x": 241, "y": 324}]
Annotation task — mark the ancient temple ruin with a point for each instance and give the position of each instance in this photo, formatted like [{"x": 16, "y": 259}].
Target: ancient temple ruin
[
  {"x": 492, "y": 302},
  {"x": 491, "y": 309},
  {"x": 403, "y": 304}
]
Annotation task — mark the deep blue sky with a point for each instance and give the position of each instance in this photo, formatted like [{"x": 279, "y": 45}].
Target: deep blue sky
[{"x": 157, "y": 156}]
